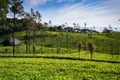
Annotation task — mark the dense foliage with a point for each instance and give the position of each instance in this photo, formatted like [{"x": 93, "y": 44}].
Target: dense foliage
[
  {"x": 48, "y": 69},
  {"x": 60, "y": 42}
]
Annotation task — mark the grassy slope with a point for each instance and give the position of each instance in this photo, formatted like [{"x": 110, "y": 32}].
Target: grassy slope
[
  {"x": 54, "y": 69},
  {"x": 49, "y": 69},
  {"x": 102, "y": 41}
]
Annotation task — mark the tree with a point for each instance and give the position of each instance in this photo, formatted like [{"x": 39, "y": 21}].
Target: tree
[
  {"x": 3, "y": 9},
  {"x": 3, "y": 16},
  {"x": 74, "y": 25},
  {"x": 38, "y": 17},
  {"x": 34, "y": 48},
  {"x": 115, "y": 29},
  {"x": 79, "y": 47},
  {"x": 85, "y": 24},
  {"x": 91, "y": 47},
  {"x": 67, "y": 38},
  {"x": 110, "y": 27},
  {"x": 33, "y": 15},
  {"x": 106, "y": 30},
  {"x": 17, "y": 9},
  {"x": 50, "y": 23},
  {"x": 67, "y": 41},
  {"x": 45, "y": 24},
  {"x": 32, "y": 20},
  {"x": 27, "y": 19},
  {"x": 39, "y": 20}
]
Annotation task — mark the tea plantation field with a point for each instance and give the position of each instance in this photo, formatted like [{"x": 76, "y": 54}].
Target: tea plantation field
[
  {"x": 58, "y": 59},
  {"x": 57, "y": 69}
]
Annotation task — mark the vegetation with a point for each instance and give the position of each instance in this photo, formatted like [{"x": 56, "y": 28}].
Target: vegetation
[
  {"x": 51, "y": 52},
  {"x": 17, "y": 9},
  {"x": 45, "y": 39},
  {"x": 3, "y": 9},
  {"x": 91, "y": 48},
  {"x": 50, "y": 69},
  {"x": 79, "y": 47}
]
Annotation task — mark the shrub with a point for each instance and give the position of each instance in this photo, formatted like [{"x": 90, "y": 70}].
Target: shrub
[
  {"x": 7, "y": 50},
  {"x": 91, "y": 47}
]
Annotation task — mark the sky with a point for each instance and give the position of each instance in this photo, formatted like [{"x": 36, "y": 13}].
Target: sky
[{"x": 98, "y": 13}]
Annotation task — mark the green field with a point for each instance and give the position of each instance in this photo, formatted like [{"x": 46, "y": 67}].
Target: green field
[
  {"x": 52, "y": 41},
  {"x": 54, "y": 69},
  {"x": 65, "y": 65},
  {"x": 36, "y": 47}
]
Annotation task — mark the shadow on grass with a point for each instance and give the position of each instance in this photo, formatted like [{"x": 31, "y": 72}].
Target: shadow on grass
[{"x": 62, "y": 58}]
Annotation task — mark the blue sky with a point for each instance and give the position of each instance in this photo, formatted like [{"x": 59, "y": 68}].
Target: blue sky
[{"x": 94, "y": 12}]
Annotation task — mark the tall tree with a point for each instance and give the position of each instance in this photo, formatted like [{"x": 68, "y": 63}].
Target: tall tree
[
  {"x": 50, "y": 23},
  {"x": 91, "y": 47},
  {"x": 17, "y": 9},
  {"x": 32, "y": 19},
  {"x": 79, "y": 47},
  {"x": 27, "y": 19},
  {"x": 3, "y": 8},
  {"x": 74, "y": 25},
  {"x": 33, "y": 15},
  {"x": 38, "y": 15},
  {"x": 67, "y": 37},
  {"x": 85, "y": 25}
]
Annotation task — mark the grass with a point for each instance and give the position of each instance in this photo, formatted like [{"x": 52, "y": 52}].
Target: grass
[
  {"x": 75, "y": 55},
  {"x": 104, "y": 44},
  {"x": 49, "y": 69},
  {"x": 51, "y": 65},
  {"x": 49, "y": 39}
]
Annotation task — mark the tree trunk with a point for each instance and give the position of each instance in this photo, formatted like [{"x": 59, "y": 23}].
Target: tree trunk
[
  {"x": 91, "y": 54},
  {"x": 26, "y": 41},
  {"x": 13, "y": 43},
  {"x": 67, "y": 41},
  {"x": 57, "y": 45},
  {"x": 41, "y": 43},
  {"x": 79, "y": 54},
  {"x": 29, "y": 45}
]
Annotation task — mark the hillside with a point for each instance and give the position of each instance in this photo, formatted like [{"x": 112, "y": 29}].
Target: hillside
[
  {"x": 62, "y": 42},
  {"x": 65, "y": 65}
]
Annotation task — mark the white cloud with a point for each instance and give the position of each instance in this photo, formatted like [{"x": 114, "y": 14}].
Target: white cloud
[
  {"x": 95, "y": 13},
  {"x": 60, "y": 1},
  {"x": 37, "y": 2},
  {"x": 101, "y": 14}
]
